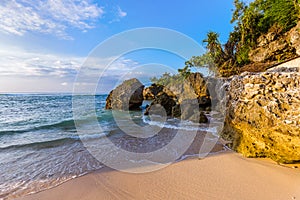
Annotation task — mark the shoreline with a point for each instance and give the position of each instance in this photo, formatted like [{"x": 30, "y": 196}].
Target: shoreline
[
  {"x": 225, "y": 175},
  {"x": 37, "y": 185}
]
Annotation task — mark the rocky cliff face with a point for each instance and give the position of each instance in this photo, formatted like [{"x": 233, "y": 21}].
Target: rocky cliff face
[
  {"x": 263, "y": 115},
  {"x": 294, "y": 38},
  {"x": 127, "y": 96},
  {"x": 275, "y": 47}
]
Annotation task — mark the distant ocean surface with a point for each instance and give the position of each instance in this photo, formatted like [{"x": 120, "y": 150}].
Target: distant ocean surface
[{"x": 39, "y": 145}]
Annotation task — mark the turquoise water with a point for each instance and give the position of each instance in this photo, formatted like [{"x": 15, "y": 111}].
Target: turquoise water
[{"x": 40, "y": 148}]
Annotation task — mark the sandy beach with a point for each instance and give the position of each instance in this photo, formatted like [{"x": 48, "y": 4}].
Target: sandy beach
[
  {"x": 225, "y": 175},
  {"x": 149, "y": 100}
]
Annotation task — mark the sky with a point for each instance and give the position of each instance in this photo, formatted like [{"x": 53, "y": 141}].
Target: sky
[{"x": 44, "y": 44}]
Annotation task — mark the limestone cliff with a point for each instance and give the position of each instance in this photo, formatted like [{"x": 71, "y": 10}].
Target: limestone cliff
[{"x": 263, "y": 115}]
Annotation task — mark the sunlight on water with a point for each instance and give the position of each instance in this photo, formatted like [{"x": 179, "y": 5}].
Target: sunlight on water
[{"x": 40, "y": 147}]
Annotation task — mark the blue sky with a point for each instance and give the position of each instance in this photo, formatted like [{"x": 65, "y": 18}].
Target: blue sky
[{"x": 43, "y": 43}]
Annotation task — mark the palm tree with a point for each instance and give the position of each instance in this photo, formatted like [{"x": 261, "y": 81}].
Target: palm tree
[
  {"x": 214, "y": 47},
  {"x": 212, "y": 41}
]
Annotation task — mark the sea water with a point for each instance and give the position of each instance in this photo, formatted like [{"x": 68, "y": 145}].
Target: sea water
[{"x": 40, "y": 147}]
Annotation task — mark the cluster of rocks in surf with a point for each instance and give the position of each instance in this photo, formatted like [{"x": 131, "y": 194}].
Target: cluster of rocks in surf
[{"x": 187, "y": 99}]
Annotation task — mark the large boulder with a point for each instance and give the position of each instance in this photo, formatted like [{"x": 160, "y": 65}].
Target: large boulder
[
  {"x": 218, "y": 89},
  {"x": 198, "y": 83},
  {"x": 192, "y": 87},
  {"x": 127, "y": 96},
  {"x": 263, "y": 115}
]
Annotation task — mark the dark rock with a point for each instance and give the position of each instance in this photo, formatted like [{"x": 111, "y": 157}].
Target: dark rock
[
  {"x": 185, "y": 99},
  {"x": 204, "y": 101},
  {"x": 127, "y": 96},
  {"x": 191, "y": 112},
  {"x": 189, "y": 107},
  {"x": 203, "y": 118},
  {"x": 167, "y": 102},
  {"x": 176, "y": 111},
  {"x": 150, "y": 92},
  {"x": 192, "y": 87},
  {"x": 198, "y": 117}
]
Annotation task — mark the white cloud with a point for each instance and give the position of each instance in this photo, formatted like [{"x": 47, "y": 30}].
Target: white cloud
[
  {"x": 47, "y": 16},
  {"x": 18, "y": 62},
  {"x": 64, "y": 84},
  {"x": 121, "y": 13},
  {"x": 32, "y": 71}
]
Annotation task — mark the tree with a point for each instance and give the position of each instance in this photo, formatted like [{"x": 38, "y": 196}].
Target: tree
[
  {"x": 205, "y": 60},
  {"x": 251, "y": 20},
  {"x": 238, "y": 12},
  {"x": 214, "y": 47},
  {"x": 284, "y": 13},
  {"x": 186, "y": 71}
]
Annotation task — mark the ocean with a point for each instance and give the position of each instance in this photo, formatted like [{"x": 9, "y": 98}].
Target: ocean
[{"x": 41, "y": 148}]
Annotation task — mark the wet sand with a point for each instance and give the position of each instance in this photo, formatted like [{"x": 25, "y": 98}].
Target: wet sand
[{"x": 225, "y": 175}]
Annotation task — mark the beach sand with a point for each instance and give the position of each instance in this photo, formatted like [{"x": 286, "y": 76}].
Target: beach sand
[{"x": 225, "y": 175}]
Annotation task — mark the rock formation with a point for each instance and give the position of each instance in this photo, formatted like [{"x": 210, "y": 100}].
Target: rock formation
[
  {"x": 184, "y": 98},
  {"x": 263, "y": 115},
  {"x": 294, "y": 37},
  {"x": 274, "y": 46},
  {"x": 189, "y": 110},
  {"x": 127, "y": 96},
  {"x": 150, "y": 92},
  {"x": 164, "y": 100},
  {"x": 192, "y": 87}
]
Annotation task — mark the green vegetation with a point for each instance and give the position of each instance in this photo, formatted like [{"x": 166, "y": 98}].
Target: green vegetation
[
  {"x": 251, "y": 21},
  {"x": 167, "y": 78}
]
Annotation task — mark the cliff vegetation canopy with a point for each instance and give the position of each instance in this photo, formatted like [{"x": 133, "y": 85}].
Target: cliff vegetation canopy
[{"x": 251, "y": 21}]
